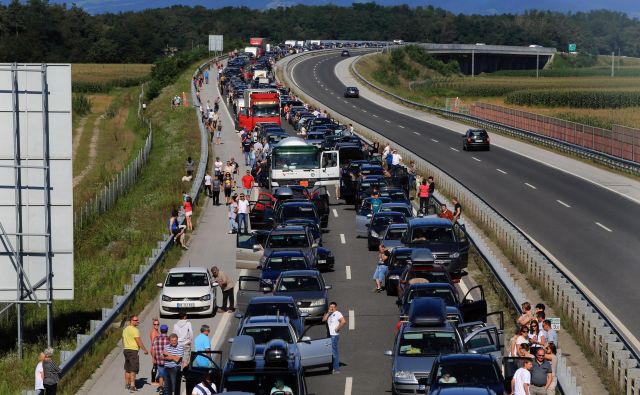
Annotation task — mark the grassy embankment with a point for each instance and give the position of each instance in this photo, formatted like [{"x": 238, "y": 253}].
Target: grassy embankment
[
  {"x": 594, "y": 93},
  {"x": 109, "y": 250}
]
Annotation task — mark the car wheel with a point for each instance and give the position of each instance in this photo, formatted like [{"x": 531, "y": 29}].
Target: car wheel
[{"x": 464, "y": 147}]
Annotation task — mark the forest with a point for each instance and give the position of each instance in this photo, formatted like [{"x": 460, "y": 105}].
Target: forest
[{"x": 37, "y": 31}]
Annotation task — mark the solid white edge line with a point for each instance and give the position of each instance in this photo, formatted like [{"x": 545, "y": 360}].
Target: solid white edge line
[
  {"x": 563, "y": 203},
  {"x": 530, "y": 186},
  {"x": 603, "y": 227},
  {"x": 335, "y": 213},
  {"x": 476, "y": 159},
  {"x": 348, "y": 384},
  {"x": 348, "y": 272},
  {"x": 342, "y": 239},
  {"x": 352, "y": 320},
  {"x": 502, "y": 171}
]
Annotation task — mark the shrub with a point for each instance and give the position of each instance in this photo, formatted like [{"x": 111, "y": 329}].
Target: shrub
[
  {"x": 165, "y": 70},
  {"x": 80, "y": 104}
]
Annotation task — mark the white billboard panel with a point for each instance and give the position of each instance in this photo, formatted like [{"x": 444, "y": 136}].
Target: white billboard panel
[
  {"x": 215, "y": 43},
  {"x": 31, "y": 199}
]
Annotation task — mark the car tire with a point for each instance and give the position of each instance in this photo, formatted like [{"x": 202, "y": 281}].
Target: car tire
[{"x": 464, "y": 147}]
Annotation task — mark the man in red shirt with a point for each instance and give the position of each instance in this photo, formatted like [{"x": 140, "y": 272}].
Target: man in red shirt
[
  {"x": 247, "y": 183},
  {"x": 445, "y": 212}
]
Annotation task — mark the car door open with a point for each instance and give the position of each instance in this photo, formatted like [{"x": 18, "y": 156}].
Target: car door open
[
  {"x": 249, "y": 249},
  {"x": 476, "y": 309},
  {"x": 315, "y": 353},
  {"x": 248, "y": 288},
  {"x": 485, "y": 341}
]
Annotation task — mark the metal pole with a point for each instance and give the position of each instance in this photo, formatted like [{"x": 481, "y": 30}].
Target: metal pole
[
  {"x": 18, "y": 198},
  {"x": 473, "y": 63},
  {"x": 537, "y": 65},
  {"x": 47, "y": 205},
  {"x": 612, "y": 62}
]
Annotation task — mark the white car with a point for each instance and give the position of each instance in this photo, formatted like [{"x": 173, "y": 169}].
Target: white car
[{"x": 188, "y": 289}]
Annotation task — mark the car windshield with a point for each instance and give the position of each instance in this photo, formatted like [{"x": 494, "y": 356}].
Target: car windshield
[
  {"x": 400, "y": 209},
  {"x": 266, "y": 110},
  {"x": 292, "y": 158},
  {"x": 445, "y": 294},
  {"x": 467, "y": 373},
  {"x": 395, "y": 233},
  {"x": 438, "y": 234},
  {"x": 286, "y": 263},
  {"x": 431, "y": 276},
  {"x": 288, "y": 240},
  {"x": 264, "y": 334},
  {"x": 187, "y": 280},
  {"x": 420, "y": 344},
  {"x": 259, "y": 383},
  {"x": 294, "y": 211},
  {"x": 298, "y": 284},
  {"x": 388, "y": 219},
  {"x": 258, "y": 309}
]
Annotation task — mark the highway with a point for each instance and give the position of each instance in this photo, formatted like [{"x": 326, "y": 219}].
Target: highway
[{"x": 594, "y": 232}]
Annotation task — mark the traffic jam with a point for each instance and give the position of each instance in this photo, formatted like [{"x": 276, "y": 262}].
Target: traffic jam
[{"x": 284, "y": 337}]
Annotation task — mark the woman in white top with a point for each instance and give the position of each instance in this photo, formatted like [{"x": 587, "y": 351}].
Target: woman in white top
[
  {"x": 39, "y": 375},
  {"x": 217, "y": 167}
]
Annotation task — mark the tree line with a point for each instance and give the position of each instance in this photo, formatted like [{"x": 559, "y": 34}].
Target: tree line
[{"x": 36, "y": 30}]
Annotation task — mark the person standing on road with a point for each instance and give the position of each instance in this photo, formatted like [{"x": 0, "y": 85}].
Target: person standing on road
[
  {"x": 233, "y": 213},
  {"x": 155, "y": 332},
  {"x": 246, "y": 147},
  {"x": 247, "y": 183},
  {"x": 217, "y": 167},
  {"x": 173, "y": 354},
  {"x": 202, "y": 343},
  {"x": 215, "y": 190},
  {"x": 335, "y": 321},
  {"x": 243, "y": 213},
  {"x": 184, "y": 330},
  {"x": 527, "y": 316},
  {"x": 226, "y": 285},
  {"x": 207, "y": 183},
  {"x": 157, "y": 349},
  {"x": 521, "y": 380},
  {"x": 541, "y": 374},
  {"x": 132, "y": 343},
  {"x": 423, "y": 194},
  {"x": 51, "y": 373},
  {"x": 219, "y": 132},
  {"x": 39, "y": 375},
  {"x": 457, "y": 209},
  {"x": 381, "y": 268}
]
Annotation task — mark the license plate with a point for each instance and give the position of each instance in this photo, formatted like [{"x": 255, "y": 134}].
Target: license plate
[
  {"x": 421, "y": 387},
  {"x": 479, "y": 140},
  {"x": 181, "y": 305},
  {"x": 304, "y": 183}
]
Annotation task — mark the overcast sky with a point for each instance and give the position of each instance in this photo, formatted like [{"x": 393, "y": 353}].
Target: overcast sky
[{"x": 631, "y": 7}]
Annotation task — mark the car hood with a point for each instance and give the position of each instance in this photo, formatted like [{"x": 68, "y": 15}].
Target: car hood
[
  {"x": 414, "y": 364},
  {"x": 436, "y": 246},
  {"x": 303, "y": 295},
  {"x": 469, "y": 389},
  {"x": 185, "y": 292}
]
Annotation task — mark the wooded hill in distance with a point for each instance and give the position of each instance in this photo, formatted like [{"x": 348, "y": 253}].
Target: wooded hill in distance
[{"x": 37, "y": 31}]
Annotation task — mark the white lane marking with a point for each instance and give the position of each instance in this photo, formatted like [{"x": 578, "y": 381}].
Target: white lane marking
[
  {"x": 348, "y": 270},
  {"x": 563, "y": 203},
  {"x": 603, "y": 227},
  {"x": 346, "y": 101},
  {"x": 335, "y": 213},
  {"x": 354, "y": 106},
  {"x": 476, "y": 159},
  {"x": 401, "y": 127},
  {"x": 502, "y": 171},
  {"x": 416, "y": 133},
  {"x": 454, "y": 149},
  {"x": 352, "y": 320},
  {"x": 375, "y": 115},
  {"x": 435, "y": 141},
  {"x": 348, "y": 383},
  {"x": 364, "y": 110},
  {"x": 530, "y": 186},
  {"x": 387, "y": 121},
  {"x": 342, "y": 239}
]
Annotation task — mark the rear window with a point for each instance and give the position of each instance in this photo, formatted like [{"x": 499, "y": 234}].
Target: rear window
[
  {"x": 258, "y": 309},
  {"x": 288, "y": 240},
  {"x": 435, "y": 234},
  {"x": 298, "y": 284},
  {"x": 286, "y": 263},
  {"x": 264, "y": 334},
  {"x": 478, "y": 133}
]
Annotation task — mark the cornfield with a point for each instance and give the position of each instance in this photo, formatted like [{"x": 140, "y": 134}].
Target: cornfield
[{"x": 575, "y": 98}]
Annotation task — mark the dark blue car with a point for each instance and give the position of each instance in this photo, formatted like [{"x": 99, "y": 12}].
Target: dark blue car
[
  {"x": 467, "y": 373},
  {"x": 379, "y": 223},
  {"x": 282, "y": 261}
]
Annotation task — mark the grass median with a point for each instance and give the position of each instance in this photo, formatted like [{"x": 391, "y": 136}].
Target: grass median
[{"x": 112, "y": 248}]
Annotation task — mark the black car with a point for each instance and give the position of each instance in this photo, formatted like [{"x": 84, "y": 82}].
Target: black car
[
  {"x": 345, "y": 53},
  {"x": 352, "y": 91},
  {"x": 398, "y": 260},
  {"x": 476, "y": 139},
  {"x": 475, "y": 373},
  {"x": 379, "y": 223}
]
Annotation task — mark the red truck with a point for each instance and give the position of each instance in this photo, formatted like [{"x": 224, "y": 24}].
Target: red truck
[
  {"x": 261, "y": 106},
  {"x": 260, "y": 43}
]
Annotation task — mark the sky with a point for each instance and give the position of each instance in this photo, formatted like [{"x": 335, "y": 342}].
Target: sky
[{"x": 487, "y": 7}]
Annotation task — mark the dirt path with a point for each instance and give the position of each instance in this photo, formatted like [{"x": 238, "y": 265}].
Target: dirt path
[
  {"x": 78, "y": 135},
  {"x": 92, "y": 150}
]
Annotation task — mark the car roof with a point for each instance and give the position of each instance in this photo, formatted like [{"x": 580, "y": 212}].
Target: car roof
[
  {"x": 286, "y": 253},
  {"x": 395, "y": 204},
  {"x": 395, "y": 226},
  {"x": 267, "y": 319},
  {"x": 188, "y": 269},
  {"x": 271, "y": 299},
  {"x": 429, "y": 221},
  {"x": 300, "y": 273},
  {"x": 388, "y": 214},
  {"x": 466, "y": 357},
  {"x": 285, "y": 228}
]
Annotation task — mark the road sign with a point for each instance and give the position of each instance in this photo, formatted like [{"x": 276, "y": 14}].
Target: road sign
[
  {"x": 555, "y": 323},
  {"x": 215, "y": 43},
  {"x": 572, "y": 47}
]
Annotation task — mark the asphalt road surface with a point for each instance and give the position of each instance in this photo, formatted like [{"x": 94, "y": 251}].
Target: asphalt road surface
[{"x": 594, "y": 232}]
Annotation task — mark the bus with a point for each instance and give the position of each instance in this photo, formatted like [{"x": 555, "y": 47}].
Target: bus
[{"x": 295, "y": 162}]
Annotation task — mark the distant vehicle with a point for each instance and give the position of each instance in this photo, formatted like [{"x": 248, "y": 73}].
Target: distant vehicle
[
  {"x": 399, "y": 42},
  {"x": 345, "y": 53},
  {"x": 476, "y": 139},
  {"x": 352, "y": 91},
  {"x": 188, "y": 289}
]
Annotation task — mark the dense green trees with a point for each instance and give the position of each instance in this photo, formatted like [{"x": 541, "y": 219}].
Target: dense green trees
[{"x": 38, "y": 31}]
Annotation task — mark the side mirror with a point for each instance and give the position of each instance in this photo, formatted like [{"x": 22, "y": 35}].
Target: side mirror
[
  {"x": 214, "y": 284},
  {"x": 259, "y": 267},
  {"x": 230, "y": 340},
  {"x": 266, "y": 288},
  {"x": 328, "y": 286},
  {"x": 304, "y": 315},
  {"x": 159, "y": 285},
  {"x": 257, "y": 247},
  {"x": 305, "y": 339},
  {"x": 388, "y": 353},
  {"x": 238, "y": 315},
  {"x": 315, "y": 245}
]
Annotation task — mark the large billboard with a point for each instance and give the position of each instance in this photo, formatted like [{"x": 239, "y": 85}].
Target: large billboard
[
  {"x": 36, "y": 139},
  {"x": 215, "y": 43}
]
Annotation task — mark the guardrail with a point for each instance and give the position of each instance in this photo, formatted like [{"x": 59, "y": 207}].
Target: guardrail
[
  {"x": 84, "y": 342},
  {"x": 598, "y": 156},
  {"x": 483, "y": 213},
  {"x": 106, "y": 198}
]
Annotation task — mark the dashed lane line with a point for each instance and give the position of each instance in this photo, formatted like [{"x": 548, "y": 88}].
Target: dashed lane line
[
  {"x": 476, "y": 159},
  {"x": 375, "y": 115},
  {"x": 416, "y": 133},
  {"x": 603, "y": 227},
  {"x": 335, "y": 213},
  {"x": 502, "y": 171},
  {"x": 348, "y": 272},
  {"x": 401, "y": 127},
  {"x": 348, "y": 384},
  {"x": 387, "y": 121},
  {"x": 352, "y": 320},
  {"x": 454, "y": 149},
  {"x": 435, "y": 141},
  {"x": 342, "y": 239},
  {"x": 563, "y": 203},
  {"x": 530, "y": 186}
]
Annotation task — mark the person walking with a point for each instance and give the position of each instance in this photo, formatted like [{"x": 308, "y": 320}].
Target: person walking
[
  {"x": 457, "y": 209},
  {"x": 184, "y": 330},
  {"x": 247, "y": 183},
  {"x": 188, "y": 213},
  {"x": 335, "y": 321},
  {"x": 246, "y": 147},
  {"x": 51, "y": 373},
  {"x": 423, "y": 194},
  {"x": 188, "y": 167},
  {"x": 219, "y": 132},
  {"x": 157, "y": 349},
  {"x": 155, "y": 332},
  {"x": 173, "y": 354},
  {"x": 541, "y": 374},
  {"x": 243, "y": 213},
  {"x": 227, "y": 184},
  {"x": 382, "y": 268},
  {"x": 39, "y": 375},
  {"x": 132, "y": 343},
  {"x": 202, "y": 343},
  {"x": 217, "y": 167},
  {"x": 215, "y": 190},
  {"x": 176, "y": 230},
  {"x": 226, "y": 285},
  {"x": 233, "y": 213},
  {"x": 207, "y": 183},
  {"x": 521, "y": 380}
]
